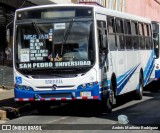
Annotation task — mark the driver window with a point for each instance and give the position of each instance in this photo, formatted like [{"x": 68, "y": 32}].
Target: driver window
[{"x": 102, "y": 30}]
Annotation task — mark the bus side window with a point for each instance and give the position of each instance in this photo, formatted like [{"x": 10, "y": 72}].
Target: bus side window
[
  {"x": 147, "y": 36},
  {"x": 120, "y": 34},
  {"x": 150, "y": 35},
  {"x": 128, "y": 36},
  {"x": 135, "y": 38},
  {"x": 111, "y": 33},
  {"x": 141, "y": 35},
  {"x": 102, "y": 40},
  {"x": 102, "y": 31}
]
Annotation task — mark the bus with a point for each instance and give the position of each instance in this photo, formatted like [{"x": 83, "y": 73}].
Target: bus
[
  {"x": 156, "y": 37},
  {"x": 71, "y": 52}
]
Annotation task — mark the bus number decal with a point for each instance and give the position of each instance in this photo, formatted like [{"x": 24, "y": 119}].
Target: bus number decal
[{"x": 57, "y": 81}]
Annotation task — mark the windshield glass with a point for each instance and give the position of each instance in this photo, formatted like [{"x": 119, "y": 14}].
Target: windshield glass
[{"x": 54, "y": 45}]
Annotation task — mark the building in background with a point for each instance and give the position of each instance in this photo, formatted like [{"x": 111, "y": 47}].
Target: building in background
[
  {"x": 7, "y": 9},
  {"x": 145, "y": 8},
  {"x": 119, "y": 5},
  {"x": 46, "y": 2}
]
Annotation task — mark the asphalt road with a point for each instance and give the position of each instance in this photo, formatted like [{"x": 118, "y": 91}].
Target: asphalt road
[{"x": 145, "y": 111}]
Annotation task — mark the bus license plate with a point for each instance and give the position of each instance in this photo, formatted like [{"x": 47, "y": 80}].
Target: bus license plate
[{"x": 86, "y": 94}]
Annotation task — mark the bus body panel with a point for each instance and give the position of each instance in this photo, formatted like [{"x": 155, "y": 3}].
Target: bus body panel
[{"x": 126, "y": 64}]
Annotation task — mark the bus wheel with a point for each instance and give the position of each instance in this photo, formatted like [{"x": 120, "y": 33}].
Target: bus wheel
[
  {"x": 139, "y": 91},
  {"x": 107, "y": 103}
]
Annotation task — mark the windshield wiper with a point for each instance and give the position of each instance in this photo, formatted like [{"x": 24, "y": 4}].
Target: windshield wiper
[
  {"x": 66, "y": 34},
  {"x": 38, "y": 31}
]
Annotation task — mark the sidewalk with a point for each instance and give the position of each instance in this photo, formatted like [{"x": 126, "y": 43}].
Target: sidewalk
[
  {"x": 6, "y": 100},
  {"x": 6, "y": 94},
  {"x": 8, "y": 107}
]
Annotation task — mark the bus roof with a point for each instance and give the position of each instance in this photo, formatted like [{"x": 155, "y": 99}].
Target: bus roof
[{"x": 97, "y": 9}]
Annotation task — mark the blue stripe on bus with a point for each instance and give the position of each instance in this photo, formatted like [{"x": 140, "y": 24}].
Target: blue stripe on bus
[
  {"x": 121, "y": 84},
  {"x": 149, "y": 68},
  {"x": 123, "y": 79},
  {"x": 120, "y": 78}
]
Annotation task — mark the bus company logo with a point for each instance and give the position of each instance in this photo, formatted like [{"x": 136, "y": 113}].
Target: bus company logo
[{"x": 54, "y": 87}]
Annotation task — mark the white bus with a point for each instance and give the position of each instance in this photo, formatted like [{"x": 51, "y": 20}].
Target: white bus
[
  {"x": 156, "y": 40},
  {"x": 80, "y": 52}
]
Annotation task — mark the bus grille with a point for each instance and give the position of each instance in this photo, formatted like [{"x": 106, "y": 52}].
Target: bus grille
[
  {"x": 58, "y": 95},
  {"x": 51, "y": 87}
]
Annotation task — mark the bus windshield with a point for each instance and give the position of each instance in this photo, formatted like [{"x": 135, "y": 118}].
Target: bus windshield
[{"x": 54, "y": 45}]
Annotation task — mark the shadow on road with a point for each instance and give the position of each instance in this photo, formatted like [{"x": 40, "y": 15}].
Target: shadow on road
[
  {"x": 7, "y": 102},
  {"x": 87, "y": 109},
  {"x": 154, "y": 86},
  {"x": 144, "y": 112}
]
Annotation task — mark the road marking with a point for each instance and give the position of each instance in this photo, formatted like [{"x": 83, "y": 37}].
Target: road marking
[{"x": 62, "y": 118}]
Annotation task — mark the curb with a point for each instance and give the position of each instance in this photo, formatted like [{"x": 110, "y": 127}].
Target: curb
[
  {"x": 6, "y": 88},
  {"x": 3, "y": 115},
  {"x": 7, "y": 113}
]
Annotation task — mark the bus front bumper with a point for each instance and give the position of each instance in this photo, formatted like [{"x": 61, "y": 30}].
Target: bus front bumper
[{"x": 57, "y": 95}]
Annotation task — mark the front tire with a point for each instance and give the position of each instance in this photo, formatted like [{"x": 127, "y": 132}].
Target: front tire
[
  {"x": 139, "y": 91},
  {"x": 107, "y": 102},
  {"x": 106, "y": 106}
]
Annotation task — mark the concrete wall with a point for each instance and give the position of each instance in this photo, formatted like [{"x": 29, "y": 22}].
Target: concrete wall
[
  {"x": 46, "y": 2},
  {"x": 61, "y": 1},
  {"x": 145, "y": 8}
]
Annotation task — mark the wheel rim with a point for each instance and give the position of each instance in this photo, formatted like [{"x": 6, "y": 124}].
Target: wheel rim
[
  {"x": 111, "y": 97},
  {"x": 109, "y": 105},
  {"x": 141, "y": 90},
  {"x": 110, "y": 100}
]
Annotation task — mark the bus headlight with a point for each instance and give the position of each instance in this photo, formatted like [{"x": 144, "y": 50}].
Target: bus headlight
[
  {"x": 157, "y": 66},
  {"x": 92, "y": 84},
  {"x": 28, "y": 88},
  {"x": 22, "y": 87},
  {"x": 84, "y": 86}
]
